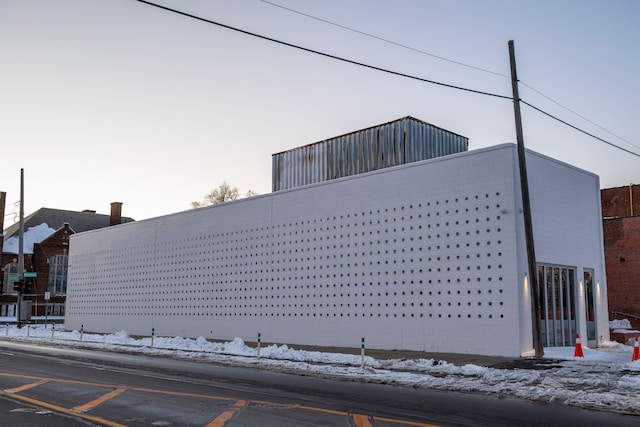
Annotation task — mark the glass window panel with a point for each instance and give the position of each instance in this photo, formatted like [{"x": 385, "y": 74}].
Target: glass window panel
[{"x": 557, "y": 288}]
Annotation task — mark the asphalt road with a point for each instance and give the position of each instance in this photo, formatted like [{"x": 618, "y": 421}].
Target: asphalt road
[{"x": 55, "y": 386}]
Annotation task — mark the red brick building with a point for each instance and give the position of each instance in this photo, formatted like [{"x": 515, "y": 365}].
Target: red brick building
[
  {"x": 45, "y": 249},
  {"x": 621, "y": 227}
]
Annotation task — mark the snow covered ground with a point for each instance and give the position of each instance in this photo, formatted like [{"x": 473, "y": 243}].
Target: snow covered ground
[{"x": 605, "y": 379}]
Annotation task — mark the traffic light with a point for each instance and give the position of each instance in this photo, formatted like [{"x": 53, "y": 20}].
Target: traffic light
[
  {"x": 28, "y": 286},
  {"x": 18, "y": 286}
]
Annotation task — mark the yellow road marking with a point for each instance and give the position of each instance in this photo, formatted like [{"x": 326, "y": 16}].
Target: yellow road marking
[
  {"x": 90, "y": 405},
  {"x": 405, "y": 422},
  {"x": 335, "y": 412},
  {"x": 141, "y": 389},
  {"x": 221, "y": 419},
  {"x": 361, "y": 420},
  {"x": 62, "y": 410},
  {"x": 231, "y": 411},
  {"x": 26, "y": 386}
]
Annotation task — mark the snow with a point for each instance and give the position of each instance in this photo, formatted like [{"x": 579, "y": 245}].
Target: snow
[
  {"x": 32, "y": 235},
  {"x": 605, "y": 379},
  {"x": 620, "y": 324}
]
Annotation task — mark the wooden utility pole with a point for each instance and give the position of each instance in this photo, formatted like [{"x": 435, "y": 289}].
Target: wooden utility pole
[
  {"x": 3, "y": 200},
  {"x": 526, "y": 209},
  {"x": 19, "y": 299}
]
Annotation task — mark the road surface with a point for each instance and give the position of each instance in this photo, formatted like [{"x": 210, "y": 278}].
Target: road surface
[{"x": 57, "y": 386}]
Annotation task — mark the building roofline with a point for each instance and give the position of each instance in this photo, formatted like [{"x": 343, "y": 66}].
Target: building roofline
[{"x": 369, "y": 128}]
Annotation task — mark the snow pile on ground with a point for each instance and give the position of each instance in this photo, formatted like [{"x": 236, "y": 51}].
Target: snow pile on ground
[
  {"x": 620, "y": 324},
  {"x": 33, "y": 235},
  {"x": 605, "y": 379}
]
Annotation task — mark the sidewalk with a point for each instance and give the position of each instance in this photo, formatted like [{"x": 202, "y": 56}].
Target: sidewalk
[{"x": 454, "y": 358}]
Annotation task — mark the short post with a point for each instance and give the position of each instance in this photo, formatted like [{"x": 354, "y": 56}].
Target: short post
[
  {"x": 153, "y": 336},
  {"x": 28, "y": 330},
  {"x": 81, "y": 331},
  {"x": 53, "y": 327},
  {"x": 47, "y": 296},
  {"x": 362, "y": 353},
  {"x": 258, "y": 350},
  {"x": 7, "y": 331}
]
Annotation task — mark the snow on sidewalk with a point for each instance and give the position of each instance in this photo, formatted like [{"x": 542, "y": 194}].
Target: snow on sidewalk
[{"x": 605, "y": 379}]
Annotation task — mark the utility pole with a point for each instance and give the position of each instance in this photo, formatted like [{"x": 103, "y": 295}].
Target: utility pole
[
  {"x": 526, "y": 209},
  {"x": 20, "y": 251}
]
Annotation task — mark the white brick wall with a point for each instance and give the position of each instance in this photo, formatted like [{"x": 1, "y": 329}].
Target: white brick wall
[{"x": 425, "y": 256}]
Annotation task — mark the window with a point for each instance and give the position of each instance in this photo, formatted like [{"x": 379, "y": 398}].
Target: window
[
  {"x": 10, "y": 275},
  {"x": 588, "y": 292},
  {"x": 558, "y": 305},
  {"x": 58, "y": 266}
]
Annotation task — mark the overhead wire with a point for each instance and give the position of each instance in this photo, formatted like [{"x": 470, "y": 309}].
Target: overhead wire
[
  {"x": 327, "y": 55},
  {"x": 577, "y": 114},
  {"x": 444, "y": 59},
  {"x": 404, "y": 46},
  {"x": 577, "y": 128},
  {"x": 396, "y": 73}
]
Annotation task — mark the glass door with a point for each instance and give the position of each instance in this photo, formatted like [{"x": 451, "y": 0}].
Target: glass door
[{"x": 558, "y": 305}]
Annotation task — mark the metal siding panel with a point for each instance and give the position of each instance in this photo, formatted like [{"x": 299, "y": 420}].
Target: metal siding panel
[
  {"x": 275, "y": 171},
  {"x": 402, "y": 141}
]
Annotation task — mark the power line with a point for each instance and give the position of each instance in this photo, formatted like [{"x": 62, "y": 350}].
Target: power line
[
  {"x": 344, "y": 27},
  {"x": 443, "y": 59},
  {"x": 577, "y": 114},
  {"x": 578, "y": 129},
  {"x": 327, "y": 55},
  {"x": 349, "y": 61}
]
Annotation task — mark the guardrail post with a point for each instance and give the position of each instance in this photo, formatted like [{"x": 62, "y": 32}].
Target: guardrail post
[
  {"x": 362, "y": 353},
  {"x": 81, "y": 331},
  {"x": 153, "y": 336}
]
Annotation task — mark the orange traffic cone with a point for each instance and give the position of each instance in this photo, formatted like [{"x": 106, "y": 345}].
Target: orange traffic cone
[
  {"x": 578, "y": 352},
  {"x": 636, "y": 351}
]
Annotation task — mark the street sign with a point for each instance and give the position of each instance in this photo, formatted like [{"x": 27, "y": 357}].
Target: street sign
[
  {"x": 30, "y": 274},
  {"x": 14, "y": 277},
  {"x": 47, "y": 296}
]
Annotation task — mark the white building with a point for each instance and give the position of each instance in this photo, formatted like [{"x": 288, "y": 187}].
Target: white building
[{"x": 424, "y": 256}]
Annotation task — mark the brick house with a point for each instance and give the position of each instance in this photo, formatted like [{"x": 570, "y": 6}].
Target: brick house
[
  {"x": 621, "y": 227},
  {"x": 46, "y": 247}
]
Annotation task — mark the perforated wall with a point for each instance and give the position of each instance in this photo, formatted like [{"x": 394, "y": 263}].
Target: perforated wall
[{"x": 422, "y": 256}]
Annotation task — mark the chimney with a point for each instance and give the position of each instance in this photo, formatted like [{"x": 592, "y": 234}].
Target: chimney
[{"x": 116, "y": 213}]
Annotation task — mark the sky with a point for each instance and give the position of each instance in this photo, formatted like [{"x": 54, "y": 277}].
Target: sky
[
  {"x": 104, "y": 101},
  {"x": 605, "y": 379}
]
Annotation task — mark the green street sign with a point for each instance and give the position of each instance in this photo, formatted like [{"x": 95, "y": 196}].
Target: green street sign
[
  {"x": 30, "y": 274},
  {"x": 14, "y": 277}
]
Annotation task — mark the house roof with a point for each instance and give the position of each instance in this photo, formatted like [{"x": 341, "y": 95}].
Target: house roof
[{"x": 56, "y": 218}]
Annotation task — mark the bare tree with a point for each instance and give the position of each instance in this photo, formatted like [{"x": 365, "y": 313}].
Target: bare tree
[{"x": 224, "y": 193}]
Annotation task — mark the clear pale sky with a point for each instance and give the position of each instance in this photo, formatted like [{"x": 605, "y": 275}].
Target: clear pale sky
[{"x": 114, "y": 100}]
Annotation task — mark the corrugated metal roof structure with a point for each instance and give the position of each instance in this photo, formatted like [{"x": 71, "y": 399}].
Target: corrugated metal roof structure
[{"x": 394, "y": 143}]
